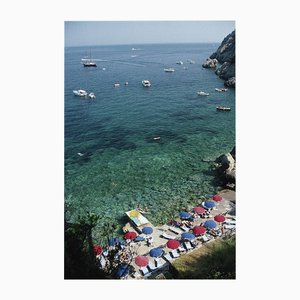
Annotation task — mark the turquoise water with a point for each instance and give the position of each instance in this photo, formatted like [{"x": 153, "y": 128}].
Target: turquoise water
[{"x": 122, "y": 165}]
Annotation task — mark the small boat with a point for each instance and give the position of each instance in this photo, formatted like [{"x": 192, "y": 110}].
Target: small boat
[
  {"x": 92, "y": 96},
  {"x": 80, "y": 154},
  {"x": 126, "y": 83},
  {"x": 169, "y": 70},
  {"x": 190, "y": 61},
  {"x": 202, "y": 94},
  {"x": 80, "y": 93},
  {"x": 221, "y": 90},
  {"x": 116, "y": 84},
  {"x": 156, "y": 138},
  {"x": 103, "y": 69},
  {"x": 185, "y": 68},
  {"x": 146, "y": 83},
  {"x": 224, "y": 108},
  {"x": 133, "y": 55},
  {"x": 179, "y": 62}
]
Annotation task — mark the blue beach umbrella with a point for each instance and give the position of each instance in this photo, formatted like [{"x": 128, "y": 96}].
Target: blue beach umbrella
[
  {"x": 122, "y": 271},
  {"x": 113, "y": 241},
  {"x": 156, "y": 252},
  {"x": 188, "y": 236},
  {"x": 147, "y": 230},
  {"x": 209, "y": 204},
  {"x": 210, "y": 224},
  {"x": 184, "y": 215}
]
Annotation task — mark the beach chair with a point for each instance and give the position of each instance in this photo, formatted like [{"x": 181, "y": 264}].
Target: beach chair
[
  {"x": 151, "y": 266},
  {"x": 205, "y": 238},
  {"x": 181, "y": 249},
  {"x": 136, "y": 275},
  {"x": 188, "y": 246},
  {"x": 159, "y": 262},
  {"x": 226, "y": 226},
  {"x": 144, "y": 270},
  {"x": 168, "y": 236},
  {"x": 185, "y": 228},
  {"x": 175, "y": 230},
  {"x": 229, "y": 222},
  {"x": 102, "y": 262},
  {"x": 174, "y": 253},
  {"x": 168, "y": 257}
]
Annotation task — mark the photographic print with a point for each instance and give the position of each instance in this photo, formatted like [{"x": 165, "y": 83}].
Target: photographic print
[{"x": 149, "y": 150}]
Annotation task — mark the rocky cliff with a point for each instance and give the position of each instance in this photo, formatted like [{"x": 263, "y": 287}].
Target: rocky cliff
[{"x": 223, "y": 60}]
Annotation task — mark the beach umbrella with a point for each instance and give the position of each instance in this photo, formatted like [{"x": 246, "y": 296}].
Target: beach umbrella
[
  {"x": 113, "y": 241},
  {"x": 97, "y": 250},
  {"x": 156, "y": 252},
  {"x": 173, "y": 244},
  {"x": 188, "y": 236},
  {"x": 147, "y": 230},
  {"x": 209, "y": 204},
  {"x": 210, "y": 224},
  {"x": 130, "y": 235},
  {"x": 184, "y": 215},
  {"x": 217, "y": 198},
  {"x": 122, "y": 271},
  {"x": 141, "y": 261},
  {"x": 199, "y": 210},
  {"x": 219, "y": 218},
  {"x": 139, "y": 239},
  {"x": 199, "y": 230}
]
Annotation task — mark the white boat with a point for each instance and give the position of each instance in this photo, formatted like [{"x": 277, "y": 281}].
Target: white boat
[
  {"x": 126, "y": 83},
  {"x": 202, "y": 93},
  {"x": 190, "y": 61},
  {"x": 221, "y": 90},
  {"x": 169, "y": 70},
  {"x": 80, "y": 93},
  {"x": 92, "y": 96},
  {"x": 116, "y": 84},
  {"x": 179, "y": 62},
  {"x": 89, "y": 62},
  {"x": 146, "y": 83}
]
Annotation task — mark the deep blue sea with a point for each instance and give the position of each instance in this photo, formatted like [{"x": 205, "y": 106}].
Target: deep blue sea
[{"x": 121, "y": 164}]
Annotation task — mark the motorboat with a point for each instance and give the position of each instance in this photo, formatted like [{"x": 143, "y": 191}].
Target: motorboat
[
  {"x": 126, "y": 83},
  {"x": 116, "y": 84},
  {"x": 190, "y": 61},
  {"x": 224, "y": 108},
  {"x": 169, "y": 70},
  {"x": 146, "y": 83},
  {"x": 221, "y": 90},
  {"x": 202, "y": 94},
  {"x": 80, "y": 93},
  {"x": 179, "y": 62},
  {"x": 156, "y": 138},
  {"x": 92, "y": 96}
]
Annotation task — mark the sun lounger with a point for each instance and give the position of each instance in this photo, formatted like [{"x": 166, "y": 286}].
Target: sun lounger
[
  {"x": 168, "y": 257},
  {"x": 102, "y": 262},
  {"x": 185, "y": 228},
  {"x": 151, "y": 266},
  {"x": 144, "y": 270},
  {"x": 205, "y": 238},
  {"x": 159, "y": 262},
  {"x": 174, "y": 253},
  {"x": 168, "y": 236},
  {"x": 175, "y": 230},
  {"x": 188, "y": 246},
  {"x": 136, "y": 275},
  {"x": 229, "y": 226},
  {"x": 181, "y": 249},
  {"x": 229, "y": 222}
]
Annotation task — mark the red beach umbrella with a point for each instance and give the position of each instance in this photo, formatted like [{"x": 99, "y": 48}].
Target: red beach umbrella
[
  {"x": 199, "y": 230},
  {"x": 131, "y": 235},
  {"x": 141, "y": 261},
  {"x": 217, "y": 198},
  {"x": 219, "y": 218},
  {"x": 173, "y": 244},
  {"x": 199, "y": 210},
  {"x": 97, "y": 250}
]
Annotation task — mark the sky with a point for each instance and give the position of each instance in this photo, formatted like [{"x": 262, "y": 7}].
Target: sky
[{"x": 85, "y": 33}]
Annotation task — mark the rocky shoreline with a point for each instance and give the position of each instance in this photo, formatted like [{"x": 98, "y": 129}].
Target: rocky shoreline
[
  {"x": 223, "y": 60},
  {"x": 225, "y": 167}
]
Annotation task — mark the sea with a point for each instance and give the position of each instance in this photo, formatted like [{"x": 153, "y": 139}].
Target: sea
[{"x": 151, "y": 147}]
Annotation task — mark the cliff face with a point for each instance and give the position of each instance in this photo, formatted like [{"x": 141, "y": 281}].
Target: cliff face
[{"x": 225, "y": 55}]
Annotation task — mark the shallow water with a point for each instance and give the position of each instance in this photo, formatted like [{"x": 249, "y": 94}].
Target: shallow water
[{"x": 121, "y": 164}]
